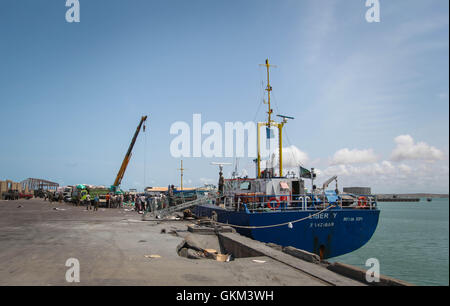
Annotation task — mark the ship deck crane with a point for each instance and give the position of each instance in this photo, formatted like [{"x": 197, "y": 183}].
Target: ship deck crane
[
  {"x": 127, "y": 158},
  {"x": 328, "y": 182}
]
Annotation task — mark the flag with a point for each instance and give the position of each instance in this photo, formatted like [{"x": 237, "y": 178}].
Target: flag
[
  {"x": 269, "y": 133},
  {"x": 305, "y": 173}
]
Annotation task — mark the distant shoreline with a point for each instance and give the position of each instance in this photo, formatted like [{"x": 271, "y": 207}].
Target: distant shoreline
[{"x": 413, "y": 195}]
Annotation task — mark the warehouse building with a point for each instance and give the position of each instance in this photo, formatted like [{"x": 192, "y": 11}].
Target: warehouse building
[{"x": 358, "y": 190}]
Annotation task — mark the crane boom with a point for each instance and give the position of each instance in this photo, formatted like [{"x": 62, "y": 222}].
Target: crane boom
[
  {"x": 327, "y": 182},
  {"x": 127, "y": 158}
]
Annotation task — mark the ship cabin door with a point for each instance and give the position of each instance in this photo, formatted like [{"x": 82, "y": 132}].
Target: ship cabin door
[{"x": 295, "y": 188}]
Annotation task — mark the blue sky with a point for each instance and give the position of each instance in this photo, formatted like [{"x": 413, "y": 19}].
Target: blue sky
[{"x": 72, "y": 94}]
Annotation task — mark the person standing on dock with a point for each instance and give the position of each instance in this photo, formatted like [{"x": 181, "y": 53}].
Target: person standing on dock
[
  {"x": 149, "y": 204},
  {"x": 96, "y": 200},
  {"x": 88, "y": 202},
  {"x": 143, "y": 202},
  {"x": 82, "y": 198},
  {"x": 113, "y": 200},
  {"x": 121, "y": 201},
  {"x": 170, "y": 194},
  {"x": 138, "y": 204}
]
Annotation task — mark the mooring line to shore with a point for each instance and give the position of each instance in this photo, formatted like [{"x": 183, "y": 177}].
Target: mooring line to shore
[{"x": 275, "y": 225}]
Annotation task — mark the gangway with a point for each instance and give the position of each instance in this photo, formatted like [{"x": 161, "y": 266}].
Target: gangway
[{"x": 169, "y": 210}]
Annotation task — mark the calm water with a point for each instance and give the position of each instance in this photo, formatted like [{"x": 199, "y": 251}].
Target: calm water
[{"x": 411, "y": 242}]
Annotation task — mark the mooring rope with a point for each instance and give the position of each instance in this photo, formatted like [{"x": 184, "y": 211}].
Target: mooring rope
[{"x": 275, "y": 225}]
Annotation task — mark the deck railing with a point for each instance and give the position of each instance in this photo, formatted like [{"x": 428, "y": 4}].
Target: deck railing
[{"x": 283, "y": 202}]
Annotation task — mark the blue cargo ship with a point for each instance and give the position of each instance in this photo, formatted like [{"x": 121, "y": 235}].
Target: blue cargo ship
[
  {"x": 273, "y": 208},
  {"x": 328, "y": 233}
]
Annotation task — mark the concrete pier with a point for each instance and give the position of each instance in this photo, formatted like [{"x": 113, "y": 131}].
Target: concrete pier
[
  {"x": 398, "y": 199},
  {"x": 115, "y": 247}
]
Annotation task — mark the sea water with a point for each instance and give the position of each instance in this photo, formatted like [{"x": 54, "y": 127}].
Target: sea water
[{"x": 411, "y": 242}]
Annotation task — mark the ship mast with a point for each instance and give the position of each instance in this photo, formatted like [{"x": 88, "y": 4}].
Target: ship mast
[
  {"x": 268, "y": 89},
  {"x": 182, "y": 172},
  {"x": 271, "y": 123}
]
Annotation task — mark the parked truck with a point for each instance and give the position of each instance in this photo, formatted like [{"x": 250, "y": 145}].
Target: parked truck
[
  {"x": 77, "y": 194},
  {"x": 80, "y": 191},
  {"x": 101, "y": 192},
  {"x": 10, "y": 195}
]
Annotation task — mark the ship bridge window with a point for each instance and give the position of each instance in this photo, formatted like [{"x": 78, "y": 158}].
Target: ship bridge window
[{"x": 245, "y": 186}]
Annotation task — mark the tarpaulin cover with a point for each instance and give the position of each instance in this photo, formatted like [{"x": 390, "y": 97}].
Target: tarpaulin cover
[{"x": 284, "y": 185}]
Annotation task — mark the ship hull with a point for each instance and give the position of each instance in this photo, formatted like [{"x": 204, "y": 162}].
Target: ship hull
[{"x": 329, "y": 234}]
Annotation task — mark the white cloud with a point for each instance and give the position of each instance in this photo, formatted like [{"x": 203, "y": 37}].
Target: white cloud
[
  {"x": 383, "y": 168},
  {"x": 407, "y": 149},
  {"x": 387, "y": 176},
  {"x": 346, "y": 157},
  {"x": 318, "y": 172},
  {"x": 244, "y": 173},
  {"x": 292, "y": 157},
  {"x": 405, "y": 169},
  {"x": 204, "y": 180}
]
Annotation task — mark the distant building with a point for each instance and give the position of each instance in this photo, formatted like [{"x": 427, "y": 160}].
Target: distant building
[
  {"x": 132, "y": 191},
  {"x": 358, "y": 190},
  {"x": 155, "y": 191},
  {"x": 10, "y": 185}
]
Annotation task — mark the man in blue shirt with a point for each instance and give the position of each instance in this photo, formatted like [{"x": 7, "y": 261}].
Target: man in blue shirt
[{"x": 96, "y": 201}]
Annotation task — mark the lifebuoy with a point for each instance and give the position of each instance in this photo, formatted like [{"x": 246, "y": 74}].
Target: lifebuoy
[
  {"x": 270, "y": 205},
  {"x": 362, "y": 202}
]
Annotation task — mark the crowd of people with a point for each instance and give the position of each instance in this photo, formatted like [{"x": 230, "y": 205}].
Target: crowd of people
[
  {"x": 114, "y": 201},
  {"x": 141, "y": 202}
]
